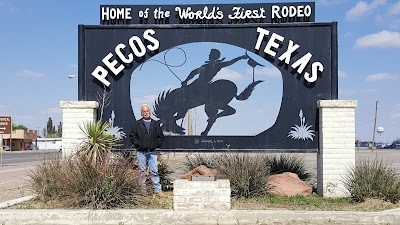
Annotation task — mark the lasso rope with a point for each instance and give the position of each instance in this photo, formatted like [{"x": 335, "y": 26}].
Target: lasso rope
[{"x": 165, "y": 62}]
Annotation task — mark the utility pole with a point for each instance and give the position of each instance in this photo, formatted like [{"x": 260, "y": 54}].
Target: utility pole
[{"x": 373, "y": 139}]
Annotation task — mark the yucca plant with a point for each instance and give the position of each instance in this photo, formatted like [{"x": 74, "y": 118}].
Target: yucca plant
[{"x": 98, "y": 142}]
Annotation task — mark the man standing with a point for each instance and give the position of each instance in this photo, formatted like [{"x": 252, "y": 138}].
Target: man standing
[{"x": 146, "y": 136}]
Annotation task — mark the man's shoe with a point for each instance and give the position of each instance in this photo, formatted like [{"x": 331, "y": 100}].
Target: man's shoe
[{"x": 161, "y": 194}]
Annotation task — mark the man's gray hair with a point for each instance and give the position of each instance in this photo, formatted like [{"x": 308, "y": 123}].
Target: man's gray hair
[{"x": 141, "y": 107}]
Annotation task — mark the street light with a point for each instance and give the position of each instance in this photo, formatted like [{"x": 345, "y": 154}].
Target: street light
[{"x": 71, "y": 76}]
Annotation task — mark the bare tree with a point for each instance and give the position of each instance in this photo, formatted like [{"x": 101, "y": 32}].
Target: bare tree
[{"x": 104, "y": 99}]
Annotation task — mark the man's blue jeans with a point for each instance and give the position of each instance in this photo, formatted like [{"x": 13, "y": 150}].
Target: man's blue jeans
[{"x": 148, "y": 159}]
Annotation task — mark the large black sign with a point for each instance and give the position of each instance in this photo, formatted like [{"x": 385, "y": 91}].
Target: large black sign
[
  {"x": 252, "y": 86},
  {"x": 208, "y": 14}
]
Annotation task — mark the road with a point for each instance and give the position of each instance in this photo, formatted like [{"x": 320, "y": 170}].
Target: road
[
  {"x": 17, "y": 157},
  {"x": 14, "y": 172}
]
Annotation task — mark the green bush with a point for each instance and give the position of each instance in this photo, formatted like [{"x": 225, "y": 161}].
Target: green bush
[
  {"x": 373, "y": 179},
  {"x": 193, "y": 161},
  {"x": 80, "y": 183},
  {"x": 288, "y": 163},
  {"x": 247, "y": 174}
]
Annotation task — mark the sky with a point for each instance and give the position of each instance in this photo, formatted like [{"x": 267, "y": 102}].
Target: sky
[{"x": 39, "y": 49}]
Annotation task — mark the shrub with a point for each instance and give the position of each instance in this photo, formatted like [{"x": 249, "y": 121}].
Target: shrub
[
  {"x": 247, "y": 173},
  {"x": 288, "y": 163},
  {"x": 164, "y": 172},
  {"x": 375, "y": 179},
  {"x": 97, "y": 142},
  {"x": 209, "y": 161},
  {"x": 80, "y": 183},
  {"x": 44, "y": 179}
]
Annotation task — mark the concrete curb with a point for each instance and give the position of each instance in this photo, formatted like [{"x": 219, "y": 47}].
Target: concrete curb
[
  {"x": 16, "y": 201},
  {"x": 115, "y": 217}
]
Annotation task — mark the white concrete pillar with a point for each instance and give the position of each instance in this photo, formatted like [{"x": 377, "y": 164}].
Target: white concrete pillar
[
  {"x": 74, "y": 114},
  {"x": 336, "y": 145}
]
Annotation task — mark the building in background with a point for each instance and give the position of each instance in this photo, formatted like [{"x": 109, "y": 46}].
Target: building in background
[
  {"x": 20, "y": 139},
  {"x": 49, "y": 143}
]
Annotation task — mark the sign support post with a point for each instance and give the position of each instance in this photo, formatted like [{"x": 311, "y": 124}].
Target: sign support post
[
  {"x": 5, "y": 128},
  {"x": 1, "y": 150}
]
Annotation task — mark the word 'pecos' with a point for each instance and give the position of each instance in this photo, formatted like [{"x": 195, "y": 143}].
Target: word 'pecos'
[{"x": 138, "y": 49}]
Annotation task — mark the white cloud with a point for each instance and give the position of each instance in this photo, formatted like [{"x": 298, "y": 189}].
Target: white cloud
[
  {"x": 74, "y": 66},
  {"x": 148, "y": 99},
  {"x": 347, "y": 91},
  {"x": 394, "y": 9},
  {"x": 396, "y": 115},
  {"x": 228, "y": 75},
  {"x": 383, "y": 39},
  {"x": 342, "y": 74},
  {"x": 3, "y": 106},
  {"x": 169, "y": 87},
  {"x": 368, "y": 91},
  {"x": 331, "y": 2},
  {"x": 381, "y": 76},
  {"x": 52, "y": 111},
  {"x": 7, "y": 6},
  {"x": 265, "y": 71},
  {"x": 347, "y": 34},
  {"x": 394, "y": 24},
  {"x": 362, "y": 9},
  {"x": 29, "y": 73}
]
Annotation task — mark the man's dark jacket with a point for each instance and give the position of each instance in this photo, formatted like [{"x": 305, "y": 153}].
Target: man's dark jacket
[{"x": 144, "y": 141}]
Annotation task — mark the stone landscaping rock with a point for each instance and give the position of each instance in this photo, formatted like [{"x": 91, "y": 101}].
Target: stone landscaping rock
[
  {"x": 288, "y": 184},
  {"x": 200, "y": 170}
]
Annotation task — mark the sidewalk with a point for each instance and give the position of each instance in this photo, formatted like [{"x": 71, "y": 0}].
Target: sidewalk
[
  {"x": 115, "y": 217},
  {"x": 14, "y": 180}
]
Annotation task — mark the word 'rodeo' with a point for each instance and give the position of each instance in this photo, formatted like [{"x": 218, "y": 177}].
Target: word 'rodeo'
[{"x": 139, "y": 50}]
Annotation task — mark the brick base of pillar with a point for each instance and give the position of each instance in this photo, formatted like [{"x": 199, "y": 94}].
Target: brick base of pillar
[{"x": 202, "y": 195}]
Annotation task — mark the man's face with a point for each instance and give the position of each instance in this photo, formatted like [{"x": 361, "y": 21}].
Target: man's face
[{"x": 146, "y": 113}]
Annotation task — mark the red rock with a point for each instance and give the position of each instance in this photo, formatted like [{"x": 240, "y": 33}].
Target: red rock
[
  {"x": 200, "y": 170},
  {"x": 288, "y": 184}
]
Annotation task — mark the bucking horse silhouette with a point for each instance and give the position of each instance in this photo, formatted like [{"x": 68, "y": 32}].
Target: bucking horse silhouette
[{"x": 172, "y": 105}]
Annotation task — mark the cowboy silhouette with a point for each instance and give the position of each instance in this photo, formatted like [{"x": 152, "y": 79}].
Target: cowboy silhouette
[
  {"x": 215, "y": 95},
  {"x": 209, "y": 70}
]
